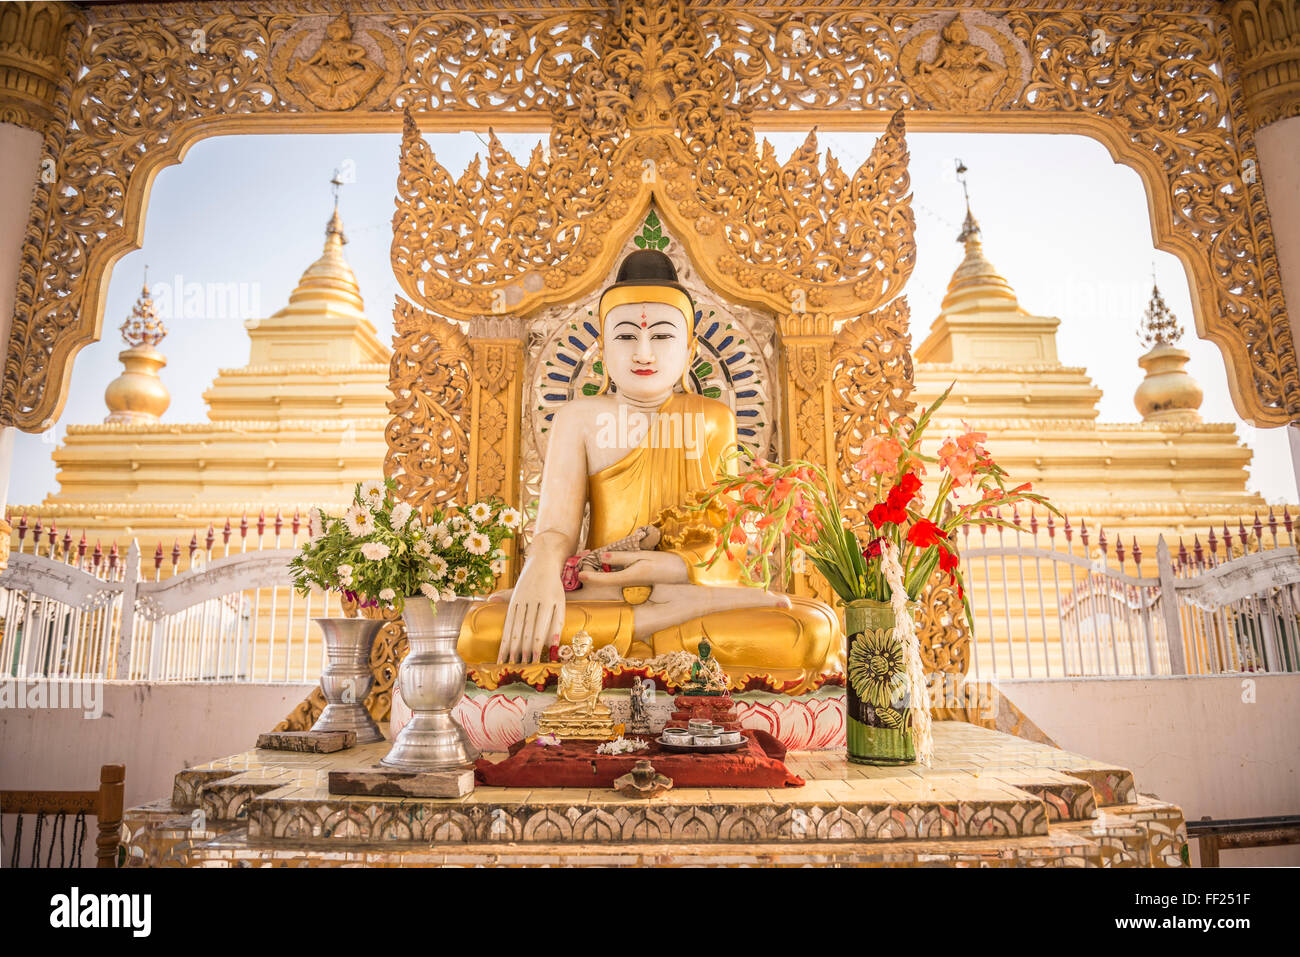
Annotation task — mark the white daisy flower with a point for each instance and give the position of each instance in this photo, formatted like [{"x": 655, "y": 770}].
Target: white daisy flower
[
  {"x": 345, "y": 575},
  {"x": 447, "y": 594},
  {"x": 461, "y": 524},
  {"x": 423, "y": 548},
  {"x": 375, "y": 551},
  {"x": 400, "y": 515},
  {"x": 372, "y": 493},
  {"x": 460, "y": 576},
  {"x": 387, "y": 594},
  {"x": 438, "y": 531},
  {"x": 438, "y": 566},
  {"x": 510, "y": 517},
  {"x": 498, "y": 566},
  {"x": 480, "y": 512},
  {"x": 446, "y": 542},
  {"x": 476, "y": 543},
  {"x": 429, "y": 591},
  {"x": 359, "y": 521}
]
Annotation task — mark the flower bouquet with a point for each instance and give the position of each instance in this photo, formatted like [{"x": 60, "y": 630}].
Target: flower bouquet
[
  {"x": 877, "y": 567},
  {"x": 381, "y": 552}
]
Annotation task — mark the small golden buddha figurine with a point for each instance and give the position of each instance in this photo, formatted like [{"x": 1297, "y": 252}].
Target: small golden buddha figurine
[
  {"x": 639, "y": 453},
  {"x": 578, "y": 711}
]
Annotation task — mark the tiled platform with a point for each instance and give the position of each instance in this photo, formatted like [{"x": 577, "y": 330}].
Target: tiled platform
[{"x": 990, "y": 799}]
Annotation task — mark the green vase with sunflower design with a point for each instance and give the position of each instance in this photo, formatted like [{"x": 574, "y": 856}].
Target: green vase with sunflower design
[{"x": 879, "y": 722}]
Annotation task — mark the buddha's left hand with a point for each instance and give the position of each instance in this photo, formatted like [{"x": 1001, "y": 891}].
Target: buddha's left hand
[{"x": 638, "y": 568}]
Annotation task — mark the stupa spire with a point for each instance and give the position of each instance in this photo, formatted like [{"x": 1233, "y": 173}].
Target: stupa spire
[
  {"x": 1159, "y": 326},
  {"x": 1168, "y": 392},
  {"x": 330, "y": 277},
  {"x": 976, "y": 279},
  {"x": 138, "y": 394}
]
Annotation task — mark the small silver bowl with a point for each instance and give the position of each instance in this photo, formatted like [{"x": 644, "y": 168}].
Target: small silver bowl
[{"x": 707, "y": 740}]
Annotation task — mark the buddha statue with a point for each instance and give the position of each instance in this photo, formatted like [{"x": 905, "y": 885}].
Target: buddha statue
[{"x": 638, "y": 453}]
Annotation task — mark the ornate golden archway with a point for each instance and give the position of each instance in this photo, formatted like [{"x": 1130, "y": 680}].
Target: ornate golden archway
[{"x": 136, "y": 85}]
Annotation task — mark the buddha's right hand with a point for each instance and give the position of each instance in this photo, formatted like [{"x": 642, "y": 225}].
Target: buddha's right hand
[{"x": 534, "y": 618}]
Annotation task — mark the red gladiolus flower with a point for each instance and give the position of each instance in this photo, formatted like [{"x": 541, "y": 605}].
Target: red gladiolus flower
[
  {"x": 925, "y": 533},
  {"x": 738, "y": 536},
  {"x": 873, "y": 549},
  {"x": 947, "y": 561},
  {"x": 903, "y": 493},
  {"x": 886, "y": 513}
]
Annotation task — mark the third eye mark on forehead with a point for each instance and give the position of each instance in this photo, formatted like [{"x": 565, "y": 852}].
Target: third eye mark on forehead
[{"x": 641, "y": 325}]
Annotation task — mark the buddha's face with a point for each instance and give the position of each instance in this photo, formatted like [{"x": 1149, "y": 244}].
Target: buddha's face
[
  {"x": 646, "y": 348},
  {"x": 581, "y": 645}
]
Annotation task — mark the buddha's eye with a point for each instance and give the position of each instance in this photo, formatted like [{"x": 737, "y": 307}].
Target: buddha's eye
[
  {"x": 625, "y": 337},
  {"x": 663, "y": 335}
]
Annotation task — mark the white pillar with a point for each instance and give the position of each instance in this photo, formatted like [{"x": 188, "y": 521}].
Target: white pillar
[
  {"x": 1293, "y": 434},
  {"x": 20, "y": 151},
  {"x": 1278, "y": 145},
  {"x": 20, "y": 159}
]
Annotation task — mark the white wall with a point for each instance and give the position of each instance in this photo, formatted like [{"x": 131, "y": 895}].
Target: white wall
[
  {"x": 153, "y": 729},
  {"x": 1223, "y": 746}
]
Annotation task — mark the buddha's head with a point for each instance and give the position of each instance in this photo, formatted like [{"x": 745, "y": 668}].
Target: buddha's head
[
  {"x": 647, "y": 327},
  {"x": 581, "y": 645}
]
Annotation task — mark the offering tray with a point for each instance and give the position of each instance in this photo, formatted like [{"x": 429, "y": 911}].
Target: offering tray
[{"x": 683, "y": 748}]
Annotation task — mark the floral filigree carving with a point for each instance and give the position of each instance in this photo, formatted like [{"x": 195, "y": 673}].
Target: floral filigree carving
[{"x": 659, "y": 101}]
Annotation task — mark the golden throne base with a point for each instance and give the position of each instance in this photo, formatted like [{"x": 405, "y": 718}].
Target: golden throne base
[{"x": 991, "y": 799}]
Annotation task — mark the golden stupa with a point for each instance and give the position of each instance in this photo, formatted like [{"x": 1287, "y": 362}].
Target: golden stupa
[
  {"x": 297, "y": 426},
  {"x": 1170, "y": 472}
]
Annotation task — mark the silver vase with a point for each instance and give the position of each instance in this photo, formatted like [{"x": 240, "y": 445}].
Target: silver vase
[
  {"x": 347, "y": 678},
  {"x": 432, "y": 681}
]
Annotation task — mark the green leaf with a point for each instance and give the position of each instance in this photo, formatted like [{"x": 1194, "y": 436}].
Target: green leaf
[
  {"x": 639, "y": 242},
  {"x": 663, "y": 243},
  {"x": 712, "y": 392},
  {"x": 598, "y": 367},
  {"x": 590, "y": 388},
  {"x": 704, "y": 369}
]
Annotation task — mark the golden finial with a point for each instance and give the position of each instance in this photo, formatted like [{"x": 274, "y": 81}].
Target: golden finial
[
  {"x": 138, "y": 394},
  {"x": 1159, "y": 326},
  {"x": 143, "y": 327},
  {"x": 1168, "y": 392}
]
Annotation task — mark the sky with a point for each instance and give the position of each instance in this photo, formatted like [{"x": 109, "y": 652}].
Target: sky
[{"x": 243, "y": 216}]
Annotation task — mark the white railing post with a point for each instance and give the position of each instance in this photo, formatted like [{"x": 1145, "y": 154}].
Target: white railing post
[
  {"x": 126, "y": 621},
  {"x": 1169, "y": 605}
]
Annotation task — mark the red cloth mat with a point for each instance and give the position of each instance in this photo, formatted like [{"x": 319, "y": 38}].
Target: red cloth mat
[{"x": 575, "y": 764}]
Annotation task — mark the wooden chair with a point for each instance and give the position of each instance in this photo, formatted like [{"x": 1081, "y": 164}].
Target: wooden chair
[{"x": 104, "y": 804}]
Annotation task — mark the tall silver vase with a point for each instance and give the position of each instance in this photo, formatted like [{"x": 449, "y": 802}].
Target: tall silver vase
[
  {"x": 347, "y": 679},
  {"x": 432, "y": 681}
]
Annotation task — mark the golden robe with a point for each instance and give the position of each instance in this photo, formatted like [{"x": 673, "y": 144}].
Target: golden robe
[{"x": 683, "y": 454}]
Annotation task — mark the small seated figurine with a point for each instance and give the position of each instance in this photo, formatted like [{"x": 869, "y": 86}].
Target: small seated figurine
[
  {"x": 578, "y": 711},
  {"x": 649, "y": 596},
  {"x": 707, "y": 676}
]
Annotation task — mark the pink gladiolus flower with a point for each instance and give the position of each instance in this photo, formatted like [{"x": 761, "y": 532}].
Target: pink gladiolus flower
[
  {"x": 959, "y": 462},
  {"x": 879, "y": 456}
]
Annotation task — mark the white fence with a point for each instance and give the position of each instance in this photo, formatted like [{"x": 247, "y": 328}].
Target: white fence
[
  {"x": 74, "y": 613},
  {"x": 1050, "y": 599},
  {"x": 1049, "y": 602}
]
